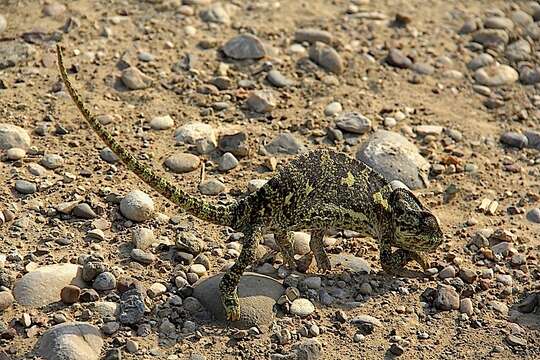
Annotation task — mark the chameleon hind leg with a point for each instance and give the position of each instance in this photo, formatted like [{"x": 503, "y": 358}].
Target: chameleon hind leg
[
  {"x": 285, "y": 242},
  {"x": 228, "y": 286},
  {"x": 393, "y": 262},
  {"x": 316, "y": 243}
]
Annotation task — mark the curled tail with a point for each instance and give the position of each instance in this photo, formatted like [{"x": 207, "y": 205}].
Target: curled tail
[{"x": 217, "y": 214}]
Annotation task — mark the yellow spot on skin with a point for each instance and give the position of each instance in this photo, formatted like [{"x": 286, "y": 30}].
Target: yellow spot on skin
[
  {"x": 288, "y": 198},
  {"x": 309, "y": 188},
  {"x": 378, "y": 198},
  {"x": 349, "y": 180}
]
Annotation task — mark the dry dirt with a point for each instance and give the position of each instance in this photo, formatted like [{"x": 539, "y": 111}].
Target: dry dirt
[{"x": 107, "y": 29}]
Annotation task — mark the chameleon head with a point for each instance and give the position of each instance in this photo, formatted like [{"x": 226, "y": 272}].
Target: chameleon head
[{"x": 415, "y": 227}]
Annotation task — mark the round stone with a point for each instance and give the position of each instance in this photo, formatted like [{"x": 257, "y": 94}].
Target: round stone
[
  {"x": 142, "y": 238},
  {"x": 54, "y": 9},
  {"x": 70, "y": 294},
  {"x": 108, "y": 155},
  {"x": 6, "y": 300},
  {"x": 198, "y": 269},
  {"x": 333, "y": 108},
  {"x": 211, "y": 187},
  {"x": 480, "y": 61},
  {"x": 162, "y": 122},
  {"x": 245, "y": 46},
  {"x": 71, "y": 340},
  {"x": 496, "y": 75},
  {"x": 397, "y": 59},
  {"x": 301, "y": 243},
  {"x": 137, "y": 206},
  {"x": 228, "y": 162},
  {"x": 52, "y": 161},
  {"x": 302, "y": 307},
  {"x": 180, "y": 163},
  {"x": 12, "y": 136},
  {"x": 25, "y": 187},
  {"x": 326, "y": 57},
  {"x": 104, "y": 282},
  {"x": 534, "y": 215},
  {"x": 447, "y": 272},
  {"x": 15, "y": 154},
  {"x": 277, "y": 79},
  {"x": 142, "y": 256}
]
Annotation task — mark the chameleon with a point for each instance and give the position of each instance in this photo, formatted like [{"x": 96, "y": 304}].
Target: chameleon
[{"x": 315, "y": 191}]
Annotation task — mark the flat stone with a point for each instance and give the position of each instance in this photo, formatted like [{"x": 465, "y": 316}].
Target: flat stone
[
  {"x": 395, "y": 157},
  {"x": 312, "y": 35},
  {"x": 496, "y": 75},
  {"x": 43, "y": 286},
  {"x": 285, "y": 143},
  {"x": 277, "y": 79},
  {"x": 245, "y": 46},
  {"x": 498, "y": 22},
  {"x": 349, "y": 262},
  {"x": 515, "y": 340},
  {"x": 326, "y": 57},
  {"x": 491, "y": 38},
  {"x": 15, "y": 154},
  {"x": 162, "y": 122},
  {"x": 397, "y": 59},
  {"x": 180, "y": 163},
  {"x": 366, "y": 319},
  {"x": 134, "y": 79},
  {"x": 142, "y": 257},
  {"x": 71, "y": 341},
  {"x": 353, "y": 122},
  {"x": 137, "y": 206},
  {"x": 479, "y": 61},
  {"x": 12, "y": 136},
  {"x": 257, "y": 293},
  {"x": 514, "y": 139},
  {"x": 25, "y": 187}
]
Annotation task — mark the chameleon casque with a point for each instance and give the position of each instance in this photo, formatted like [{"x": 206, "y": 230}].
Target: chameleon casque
[{"x": 316, "y": 190}]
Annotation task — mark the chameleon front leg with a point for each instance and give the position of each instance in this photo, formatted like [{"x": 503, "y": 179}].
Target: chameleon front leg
[
  {"x": 316, "y": 243},
  {"x": 393, "y": 262},
  {"x": 228, "y": 286},
  {"x": 284, "y": 240}
]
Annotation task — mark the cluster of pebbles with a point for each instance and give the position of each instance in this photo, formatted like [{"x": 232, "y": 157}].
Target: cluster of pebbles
[{"x": 89, "y": 272}]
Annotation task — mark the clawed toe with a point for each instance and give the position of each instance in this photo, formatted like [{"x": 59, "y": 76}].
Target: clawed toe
[{"x": 232, "y": 308}]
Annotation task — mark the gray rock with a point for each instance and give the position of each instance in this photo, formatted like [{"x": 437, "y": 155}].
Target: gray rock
[
  {"x": 137, "y": 206},
  {"x": 466, "y": 306},
  {"x": 15, "y": 154},
  {"x": 491, "y": 38},
  {"x": 52, "y": 161},
  {"x": 349, "y": 262},
  {"x": 277, "y": 79},
  {"x": 311, "y": 35},
  {"x": 180, "y": 163},
  {"x": 257, "y": 293},
  {"x": 261, "y": 101},
  {"x": 396, "y": 158},
  {"x": 529, "y": 75},
  {"x": 12, "y": 136},
  {"x": 142, "y": 238},
  {"x": 215, "y": 14},
  {"x": 326, "y": 57},
  {"x": 25, "y": 187},
  {"x": 108, "y": 155},
  {"x": 422, "y": 68},
  {"x": 533, "y": 31},
  {"x": 134, "y": 79},
  {"x": 228, "y": 162},
  {"x": 308, "y": 349},
  {"x": 131, "y": 308},
  {"x": 84, "y": 211},
  {"x": 534, "y": 215},
  {"x": 518, "y": 50},
  {"x": 211, "y": 187},
  {"x": 521, "y": 18},
  {"x": 302, "y": 307},
  {"x": 446, "y": 298},
  {"x": 142, "y": 257},
  {"x": 285, "y": 143},
  {"x": 71, "y": 341},
  {"x": 447, "y": 272},
  {"x": 468, "y": 27},
  {"x": 533, "y": 138},
  {"x": 104, "y": 282},
  {"x": 54, "y": 9},
  {"x": 6, "y": 300},
  {"x": 366, "y": 319},
  {"x": 190, "y": 243},
  {"x": 514, "y": 139},
  {"x": 479, "y": 61},
  {"x": 333, "y": 108},
  {"x": 397, "y": 59},
  {"x": 43, "y": 286},
  {"x": 498, "y": 22},
  {"x": 13, "y": 53},
  {"x": 91, "y": 269},
  {"x": 496, "y": 75},
  {"x": 236, "y": 144},
  {"x": 353, "y": 122},
  {"x": 197, "y": 133},
  {"x": 245, "y": 46},
  {"x": 162, "y": 122}
]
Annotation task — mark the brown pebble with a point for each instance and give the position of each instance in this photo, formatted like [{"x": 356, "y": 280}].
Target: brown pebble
[{"x": 70, "y": 294}]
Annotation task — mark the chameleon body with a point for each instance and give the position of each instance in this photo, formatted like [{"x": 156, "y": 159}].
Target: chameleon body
[{"x": 316, "y": 190}]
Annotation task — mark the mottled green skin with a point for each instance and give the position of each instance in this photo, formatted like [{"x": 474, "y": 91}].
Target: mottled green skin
[{"x": 316, "y": 190}]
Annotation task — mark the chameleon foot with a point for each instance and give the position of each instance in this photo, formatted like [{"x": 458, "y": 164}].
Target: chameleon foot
[
  {"x": 420, "y": 259},
  {"x": 232, "y": 307},
  {"x": 323, "y": 262}
]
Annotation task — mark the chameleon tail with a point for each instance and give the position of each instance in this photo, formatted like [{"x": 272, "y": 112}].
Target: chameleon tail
[{"x": 217, "y": 214}]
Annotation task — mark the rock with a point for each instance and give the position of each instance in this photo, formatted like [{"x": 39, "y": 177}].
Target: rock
[
  {"x": 142, "y": 238},
  {"x": 498, "y": 22},
  {"x": 514, "y": 139},
  {"x": 215, "y": 14},
  {"x": 91, "y": 269},
  {"x": 466, "y": 306},
  {"x": 134, "y": 79},
  {"x": 197, "y": 133},
  {"x": 480, "y": 61},
  {"x": 72, "y": 340},
  {"x": 326, "y": 57},
  {"x": 366, "y": 323},
  {"x": 104, "y": 281},
  {"x": 521, "y": 18},
  {"x": 468, "y": 27},
  {"x": 131, "y": 307},
  {"x": 515, "y": 340},
  {"x": 353, "y": 122},
  {"x": 496, "y": 75},
  {"x": 395, "y": 157},
  {"x": 529, "y": 75},
  {"x": 25, "y": 187},
  {"x": 180, "y": 163},
  {"x": 302, "y": 307},
  {"x": 397, "y": 59},
  {"x": 108, "y": 155},
  {"x": 447, "y": 272},
  {"x": 528, "y": 304},
  {"x": 12, "y": 136},
  {"x": 15, "y": 154},
  {"x": 258, "y": 294},
  {"x": 3, "y": 23},
  {"x": 228, "y": 162},
  {"x": 235, "y": 144},
  {"x": 467, "y": 275},
  {"x": 142, "y": 256},
  {"x": 285, "y": 143},
  {"x": 301, "y": 243},
  {"x": 261, "y": 101},
  {"x": 491, "y": 38},
  {"x": 211, "y": 187},
  {"x": 534, "y": 215},
  {"x": 43, "y": 286},
  {"x": 13, "y": 53},
  {"x": 156, "y": 289},
  {"x": 88, "y": 295},
  {"x": 245, "y": 46},
  {"x": 52, "y": 161},
  {"x": 313, "y": 282},
  {"x": 70, "y": 294},
  {"x": 6, "y": 300},
  {"x": 519, "y": 50},
  {"x": 84, "y": 211},
  {"x": 311, "y": 35},
  {"x": 446, "y": 298},
  {"x": 162, "y": 122},
  {"x": 308, "y": 349},
  {"x": 396, "y": 349},
  {"x": 533, "y": 138},
  {"x": 333, "y": 108},
  {"x": 137, "y": 206},
  {"x": 349, "y": 262},
  {"x": 423, "y": 69},
  {"x": 54, "y": 9},
  {"x": 190, "y": 243},
  {"x": 277, "y": 79}
]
